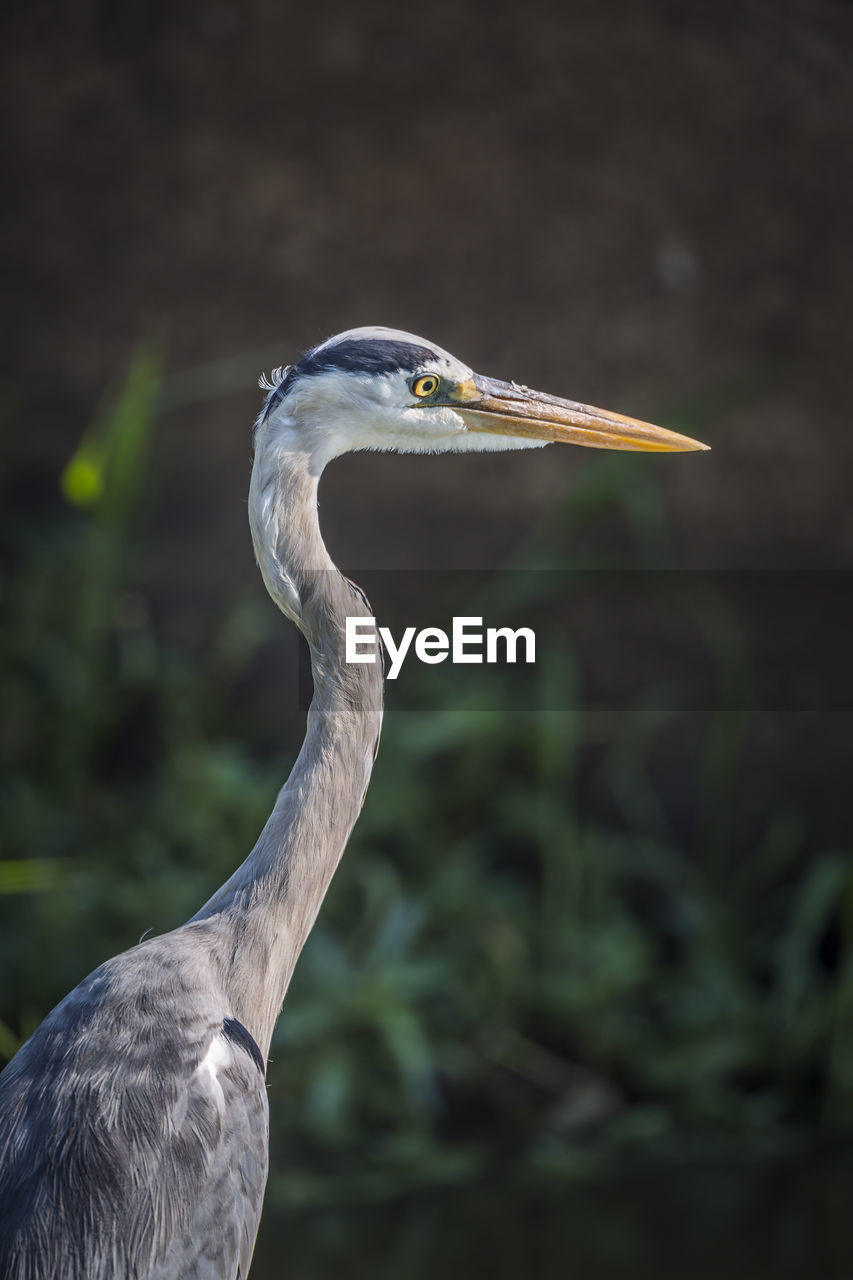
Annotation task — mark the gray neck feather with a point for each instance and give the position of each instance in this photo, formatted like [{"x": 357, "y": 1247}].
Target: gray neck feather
[{"x": 262, "y": 915}]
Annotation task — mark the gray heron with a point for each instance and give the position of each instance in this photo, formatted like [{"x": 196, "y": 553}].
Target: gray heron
[{"x": 133, "y": 1122}]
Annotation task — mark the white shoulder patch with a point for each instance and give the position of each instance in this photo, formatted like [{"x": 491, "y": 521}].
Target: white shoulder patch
[{"x": 215, "y": 1061}]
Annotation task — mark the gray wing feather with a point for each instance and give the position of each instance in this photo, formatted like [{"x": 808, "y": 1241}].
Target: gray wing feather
[
  {"x": 219, "y": 1237},
  {"x": 119, "y": 1155}
]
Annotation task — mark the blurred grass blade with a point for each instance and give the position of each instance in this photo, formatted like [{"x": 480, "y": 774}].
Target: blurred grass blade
[
  {"x": 9, "y": 1042},
  {"x": 105, "y": 476},
  {"x": 103, "y": 470},
  {"x": 31, "y": 875}
]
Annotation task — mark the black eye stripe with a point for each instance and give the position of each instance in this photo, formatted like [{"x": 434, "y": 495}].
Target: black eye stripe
[
  {"x": 365, "y": 355},
  {"x": 353, "y": 355}
]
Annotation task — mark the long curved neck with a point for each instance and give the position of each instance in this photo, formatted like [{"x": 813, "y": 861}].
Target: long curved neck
[{"x": 264, "y": 912}]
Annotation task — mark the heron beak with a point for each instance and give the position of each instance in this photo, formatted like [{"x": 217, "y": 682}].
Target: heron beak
[{"x": 505, "y": 408}]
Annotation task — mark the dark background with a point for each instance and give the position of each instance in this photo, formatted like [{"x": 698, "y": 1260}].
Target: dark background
[
  {"x": 644, "y": 206},
  {"x": 635, "y": 205}
]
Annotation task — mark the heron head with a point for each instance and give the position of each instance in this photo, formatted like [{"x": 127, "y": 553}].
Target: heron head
[{"x": 376, "y": 388}]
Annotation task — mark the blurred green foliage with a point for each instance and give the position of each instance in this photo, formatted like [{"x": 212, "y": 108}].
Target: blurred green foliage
[{"x": 498, "y": 973}]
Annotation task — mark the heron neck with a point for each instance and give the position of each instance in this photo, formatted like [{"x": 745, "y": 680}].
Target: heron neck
[{"x": 264, "y": 912}]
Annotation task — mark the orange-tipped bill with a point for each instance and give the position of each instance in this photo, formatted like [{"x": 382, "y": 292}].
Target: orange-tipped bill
[{"x": 505, "y": 408}]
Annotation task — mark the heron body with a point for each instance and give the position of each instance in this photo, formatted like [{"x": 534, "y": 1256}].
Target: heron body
[{"x": 134, "y": 1121}]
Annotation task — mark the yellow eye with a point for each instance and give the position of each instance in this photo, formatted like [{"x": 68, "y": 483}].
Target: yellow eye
[{"x": 426, "y": 385}]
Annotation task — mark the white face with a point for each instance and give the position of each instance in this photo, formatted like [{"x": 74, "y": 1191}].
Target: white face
[{"x": 337, "y": 410}]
